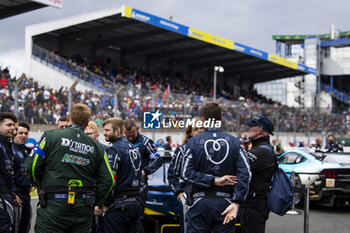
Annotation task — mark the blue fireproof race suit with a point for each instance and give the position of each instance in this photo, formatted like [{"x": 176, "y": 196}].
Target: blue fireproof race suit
[
  {"x": 208, "y": 155},
  {"x": 6, "y": 185},
  {"x": 22, "y": 183},
  {"x": 150, "y": 160},
  {"x": 125, "y": 213}
]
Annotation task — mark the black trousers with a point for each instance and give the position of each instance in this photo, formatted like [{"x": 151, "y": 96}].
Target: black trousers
[
  {"x": 204, "y": 216},
  {"x": 26, "y": 216},
  {"x": 6, "y": 213},
  {"x": 5, "y": 221},
  {"x": 123, "y": 220},
  {"x": 253, "y": 218}
]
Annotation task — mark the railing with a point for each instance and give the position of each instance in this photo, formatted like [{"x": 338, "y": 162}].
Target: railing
[
  {"x": 102, "y": 82},
  {"x": 70, "y": 68},
  {"x": 336, "y": 94}
]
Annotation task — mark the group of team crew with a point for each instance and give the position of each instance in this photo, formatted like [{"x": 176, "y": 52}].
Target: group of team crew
[{"x": 84, "y": 186}]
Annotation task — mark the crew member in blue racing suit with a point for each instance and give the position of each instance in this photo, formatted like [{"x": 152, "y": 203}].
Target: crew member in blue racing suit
[
  {"x": 211, "y": 161},
  {"x": 150, "y": 158},
  {"x": 178, "y": 186},
  {"x": 7, "y": 188},
  {"x": 21, "y": 152},
  {"x": 124, "y": 215}
]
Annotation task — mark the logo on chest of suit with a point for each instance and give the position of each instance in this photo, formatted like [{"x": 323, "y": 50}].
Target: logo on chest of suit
[
  {"x": 77, "y": 146},
  {"x": 212, "y": 147},
  {"x": 134, "y": 155}
]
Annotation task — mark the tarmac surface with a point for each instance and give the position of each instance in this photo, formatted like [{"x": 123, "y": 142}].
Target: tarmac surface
[{"x": 322, "y": 220}]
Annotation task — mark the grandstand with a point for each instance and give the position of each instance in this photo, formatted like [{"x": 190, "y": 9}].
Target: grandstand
[
  {"x": 162, "y": 66},
  {"x": 149, "y": 54},
  {"x": 128, "y": 36}
]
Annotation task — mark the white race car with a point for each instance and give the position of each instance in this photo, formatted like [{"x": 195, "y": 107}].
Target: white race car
[{"x": 327, "y": 175}]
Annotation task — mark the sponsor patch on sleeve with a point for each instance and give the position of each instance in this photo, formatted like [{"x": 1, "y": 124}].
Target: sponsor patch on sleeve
[{"x": 39, "y": 151}]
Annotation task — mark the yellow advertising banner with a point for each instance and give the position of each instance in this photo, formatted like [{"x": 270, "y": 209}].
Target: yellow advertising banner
[
  {"x": 282, "y": 61},
  {"x": 209, "y": 38}
]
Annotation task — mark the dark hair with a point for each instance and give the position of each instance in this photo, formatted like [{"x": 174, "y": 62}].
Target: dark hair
[
  {"x": 24, "y": 125},
  {"x": 168, "y": 138},
  {"x": 212, "y": 111},
  {"x": 129, "y": 123},
  {"x": 63, "y": 118},
  {"x": 8, "y": 115}
]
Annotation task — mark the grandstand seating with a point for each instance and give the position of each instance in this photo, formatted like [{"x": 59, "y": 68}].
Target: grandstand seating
[
  {"x": 67, "y": 67},
  {"x": 104, "y": 75},
  {"x": 342, "y": 97}
]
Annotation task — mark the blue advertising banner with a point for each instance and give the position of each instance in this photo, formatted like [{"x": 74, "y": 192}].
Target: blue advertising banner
[
  {"x": 212, "y": 39},
  {"x": 251, "y": 51},
  {"x": 307, "y": 69},
  {"x": 159, "y": 22}
]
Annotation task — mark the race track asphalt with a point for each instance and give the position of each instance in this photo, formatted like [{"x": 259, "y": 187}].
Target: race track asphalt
[{"x": 322, "y": 220}]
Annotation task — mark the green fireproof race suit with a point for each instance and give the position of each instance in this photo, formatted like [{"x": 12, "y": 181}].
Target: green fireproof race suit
[{"x": 67, "y": 160}]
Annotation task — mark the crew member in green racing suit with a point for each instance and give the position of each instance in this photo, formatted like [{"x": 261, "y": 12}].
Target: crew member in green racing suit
[{"x": 72, "y": 173}]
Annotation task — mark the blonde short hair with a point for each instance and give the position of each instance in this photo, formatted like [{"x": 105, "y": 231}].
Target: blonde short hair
[{"x": 92, "y": 126}]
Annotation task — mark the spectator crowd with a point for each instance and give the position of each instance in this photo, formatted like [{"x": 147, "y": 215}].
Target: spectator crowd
[{"x": 39, "y": 104}]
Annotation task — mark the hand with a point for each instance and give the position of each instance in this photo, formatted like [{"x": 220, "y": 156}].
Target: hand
[
  {"x": 225, "y": 180},
  {"x": 179, "y": 196},
  {"x": 143, "y": 174},
  {"x": 104, "y": 210},
  {"x": 234, "y": 178},
  {"x": 97, "y": 211},
  {"x": 230, "y": 212},
  {"x": 17, "y": 201}
]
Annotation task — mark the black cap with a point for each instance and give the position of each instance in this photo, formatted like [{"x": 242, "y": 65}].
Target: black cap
[{"x": 263, "y": 122}]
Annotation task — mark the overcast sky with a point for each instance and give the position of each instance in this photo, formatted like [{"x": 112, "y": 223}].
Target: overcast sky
[{"x": 250, "y": 22}]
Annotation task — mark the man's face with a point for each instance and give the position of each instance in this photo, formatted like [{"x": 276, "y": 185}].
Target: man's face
[
  {"x": 253, "y": 132},
  {"x": 62, "y": 124},
  {"x": 7, "y": 129},
  {"x": 22, "y": 135},
  {"x": 131, "y": 134},
  {"x": 91, "y": 133},
  {"x": 110, "y": 135}
]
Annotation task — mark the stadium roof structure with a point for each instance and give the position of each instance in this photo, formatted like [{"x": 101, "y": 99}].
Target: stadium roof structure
[
  {"x": 10, "y": 8},
  {"x": 133, "y": 31},
  {"x": 343, "y": 39}
]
